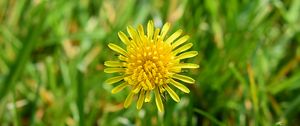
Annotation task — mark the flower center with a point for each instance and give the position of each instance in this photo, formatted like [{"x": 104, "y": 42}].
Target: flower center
[{"x": 148, "y": 66}]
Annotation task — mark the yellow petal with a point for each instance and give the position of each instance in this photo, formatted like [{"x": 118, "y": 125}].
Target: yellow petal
[
  {"x": 182, "y": 48},
  {"x": 184, "y": 78},
  {"x": 114, "y": 64},
  {"x": 172, "y": 93},
  {"x": 158, "y": 101},
  {"x": 186, "y": 55},
  {"x": 122, "y": 58},
  {"x": 148, "y": 83},
  {"x": 165, "y": 30},
  {"x": 114, "y": 79},
  {"x": 114, "y": 70},
  {"x": 156, "y": 34},
  {"x": 141, "y": 30},
  {"x": 148, "y": 96},
  {"x": 186, "y": 65},
  {"x": 128, "y": 99},
  {"x": 145, "y": 87},
  {"x": 123, "y": 38},
  {"x": 140, "y": 100},
  {"x": 174, "y": 36},
  {"x": 119, "y": 88},
  {"x": 117, "y": 49},
  {"x": 180, "y": 41},
  {"x": 175, "y": 69},
  {"x": 132, "y": 32},
  {"x": 137, "y": 89},
  {"x": 180, "y": 86},
  {"x": 150, "y": 29}
]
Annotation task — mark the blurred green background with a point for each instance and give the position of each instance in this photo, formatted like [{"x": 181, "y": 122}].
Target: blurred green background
[{"x": 52, "y": 54}]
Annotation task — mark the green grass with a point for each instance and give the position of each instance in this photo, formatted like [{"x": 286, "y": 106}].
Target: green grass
[{"x": 52, "y": 54}]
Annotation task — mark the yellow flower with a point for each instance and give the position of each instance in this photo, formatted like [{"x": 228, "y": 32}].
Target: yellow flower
[{"x": 150, "y": 63}]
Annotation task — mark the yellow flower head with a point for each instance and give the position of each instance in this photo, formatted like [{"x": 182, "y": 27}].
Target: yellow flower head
[{"x": 150, "y": 63}]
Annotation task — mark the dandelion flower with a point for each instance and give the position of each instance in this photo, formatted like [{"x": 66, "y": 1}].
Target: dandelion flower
[{"x": 150, "y": 63}]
